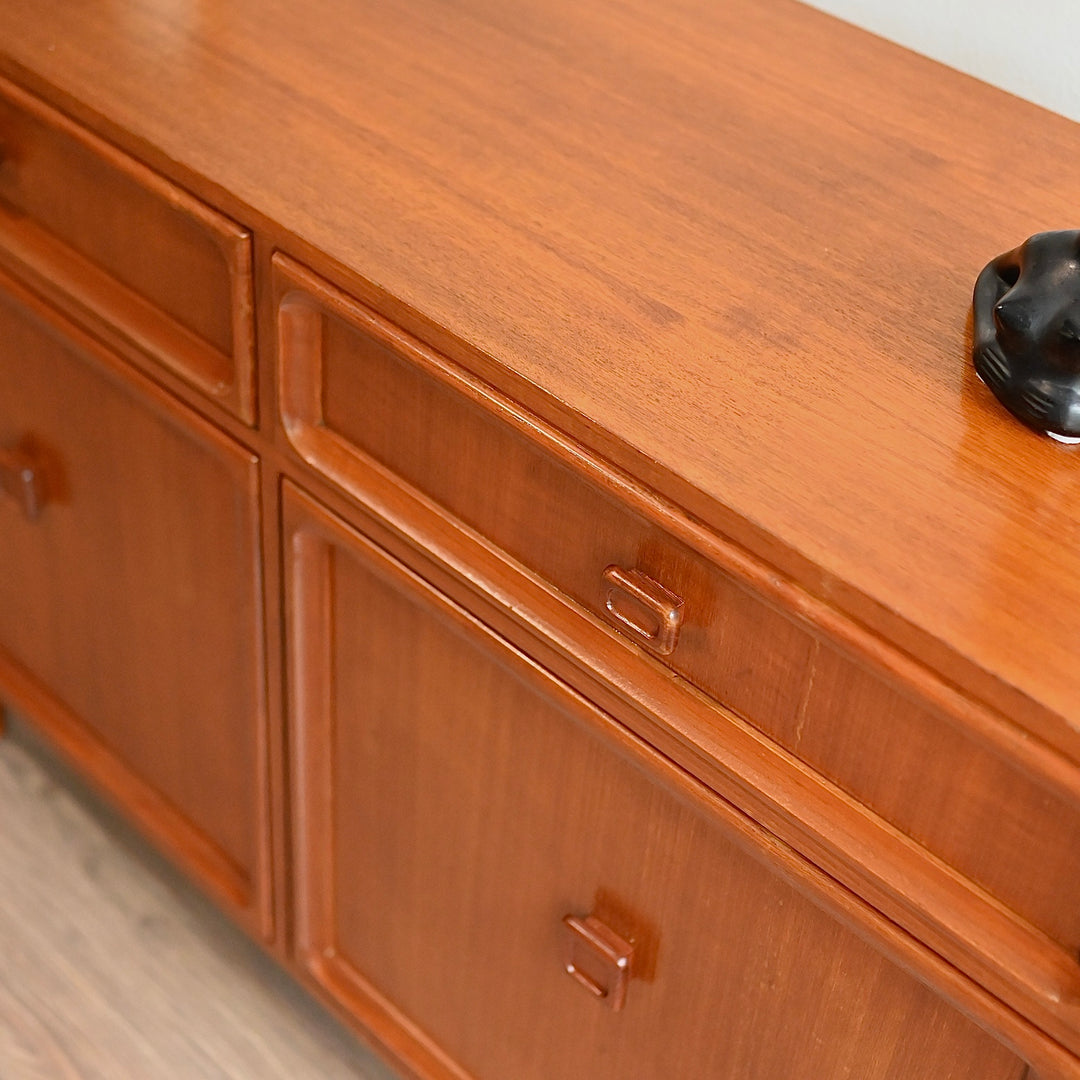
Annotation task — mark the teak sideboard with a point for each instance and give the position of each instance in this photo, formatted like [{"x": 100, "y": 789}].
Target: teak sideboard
[{"x": 499, "y": 493}]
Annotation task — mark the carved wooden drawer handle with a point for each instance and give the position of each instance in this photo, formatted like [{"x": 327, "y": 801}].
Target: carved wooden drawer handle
[
  {"x": 598, "y": 959},
  {"x": 642, "y": 607},
  {"x": 21, "y": 478}
]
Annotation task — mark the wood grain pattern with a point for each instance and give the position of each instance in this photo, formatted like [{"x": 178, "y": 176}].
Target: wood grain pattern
[
  {"x": 115, "y": 969},
  {"x": 732, "y": 245},
  {"x": 133, "y": 603},
  {"x": 515, "y": 804}
]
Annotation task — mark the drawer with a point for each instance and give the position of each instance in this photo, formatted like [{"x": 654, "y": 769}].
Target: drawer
[
  {"x": 1012, "y": 830},
  {"x": 358, "y": 394},
  {"x": 130, "y": 596},
  {"x": 111, "y": 239},
  {"x": 485, "y": 855}
]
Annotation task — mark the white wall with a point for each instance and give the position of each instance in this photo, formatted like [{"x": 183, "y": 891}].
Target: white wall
[{"x": 1031, "y": 48}]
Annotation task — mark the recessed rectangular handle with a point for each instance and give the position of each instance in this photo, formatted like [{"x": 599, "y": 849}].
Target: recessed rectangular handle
[
  {"x": 598, "y": 959},
  {"x": 643, "y": 608}
]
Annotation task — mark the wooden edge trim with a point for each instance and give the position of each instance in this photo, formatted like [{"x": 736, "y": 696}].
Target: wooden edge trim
[
  {"x": 307, "y": 677},
  {"x": 375, "y": 1018},
  {"x": 237, "y": 250},
  {"x": 307, "y": 537},
  {"x": 266, "y": 820},
  {"x": 87, "y": 294}
]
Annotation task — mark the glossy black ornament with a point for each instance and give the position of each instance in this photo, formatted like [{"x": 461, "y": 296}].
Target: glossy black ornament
[{"x": 1027, "y": 332}]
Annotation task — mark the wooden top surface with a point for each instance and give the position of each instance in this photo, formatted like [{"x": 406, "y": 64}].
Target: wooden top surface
[{"x": 738, "y": 238}]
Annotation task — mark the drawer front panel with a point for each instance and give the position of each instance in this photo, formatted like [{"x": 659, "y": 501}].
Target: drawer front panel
[
  {"x": 110, "y": 236},
  {"x": 130, "y": 593},
  {"x": 357, "y": 393},
  {"x": 1012, "y": 834},
  {"x": 455, "y": 804}
]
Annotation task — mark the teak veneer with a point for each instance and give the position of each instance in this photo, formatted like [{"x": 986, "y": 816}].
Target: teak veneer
[{"x": 500, "y": 494}]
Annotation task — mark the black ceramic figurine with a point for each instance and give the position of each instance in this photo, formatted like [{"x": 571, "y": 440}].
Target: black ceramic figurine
[{"x": 1027, "y": 332}]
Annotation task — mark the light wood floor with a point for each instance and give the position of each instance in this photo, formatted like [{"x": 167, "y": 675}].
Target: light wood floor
[{"x": 113, "y": 968}]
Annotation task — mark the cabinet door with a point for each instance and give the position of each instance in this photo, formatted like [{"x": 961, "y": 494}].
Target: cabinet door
[
  {"x": 455, "y": 804},
  {"x": 130, "y": 619}
]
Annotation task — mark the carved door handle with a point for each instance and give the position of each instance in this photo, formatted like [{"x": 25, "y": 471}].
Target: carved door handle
[
  {"x": 22, "y": 478},
  {"x": 643, "y": 608},
  {"x": 598, "y": 959}
]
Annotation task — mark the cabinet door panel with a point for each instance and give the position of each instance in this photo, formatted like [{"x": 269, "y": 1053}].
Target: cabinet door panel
[
  {"x": 131, "y": 601},
  {"x": 455, "y": 802}
]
